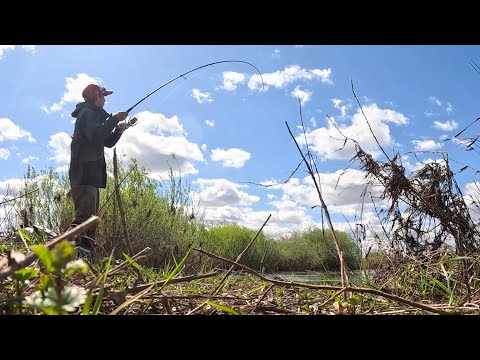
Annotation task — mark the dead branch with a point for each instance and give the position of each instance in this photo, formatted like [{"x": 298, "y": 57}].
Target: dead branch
[
  {"x": 19, "y": 197},
  {"x": 328, "y": 287},
  {"x": 31, "y": 256},
  {"x": 135, "y": 289},
  {"x": 344, "y": 275},
  {"x": 239, "y": 257},
  {"x": 261, "y": 299},
  {"x": 119, "y": 202}
]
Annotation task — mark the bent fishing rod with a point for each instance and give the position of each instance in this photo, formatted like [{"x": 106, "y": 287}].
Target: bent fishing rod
[{"x": 133, "y": 121}]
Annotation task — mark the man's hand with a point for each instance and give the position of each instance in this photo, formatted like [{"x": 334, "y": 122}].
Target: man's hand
[
  {"x": 121, "y": 127},
  {"x": 121, "y": 116}
]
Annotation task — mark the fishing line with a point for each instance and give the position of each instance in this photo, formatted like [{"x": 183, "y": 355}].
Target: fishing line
[
  {"x": 133, "y": 121},
  {"x": 190, "y": 71}
]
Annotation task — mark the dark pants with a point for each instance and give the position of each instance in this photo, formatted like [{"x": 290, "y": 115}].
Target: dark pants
[{"x": 86, "y": 200}]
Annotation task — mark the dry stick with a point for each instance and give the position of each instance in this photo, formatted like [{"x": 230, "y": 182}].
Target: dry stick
[
  {"x": 140, "y": 255},
  {"x": 261, "y": 299},
  {"x": 172, "y": 281},
  {"x": 31, "y": 256},
  {"x": 324, "y": 207},
  {"x": 239, "y": 257},
  {"x": 115, "y": 270},
  {"x": 368, "y": 123},
  {"x": 332, "y": 297},
  {"x": 18, "y": 197},
  {"x": 195, "y": 296},
  {"x": 119, "y": 202},
  {"x": 328, "y": 287},
  {"x": 24, "y": 241}
]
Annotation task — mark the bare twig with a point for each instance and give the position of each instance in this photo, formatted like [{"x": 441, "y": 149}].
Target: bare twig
[
  {"x": 328, "y": 287},
  {"x": 261, "y": 299},
  {"x": 171, "y": 281},
  {"x": 239, "y": 257},
  {"x": 18, "y": 197},
  {"x": 325, "y": 209},
  {"x": 119, "y": 202},
  {"x": 113, "y": 192},
  {"x": 31, "y": 256},
  {"x": 368, "y": 123}
]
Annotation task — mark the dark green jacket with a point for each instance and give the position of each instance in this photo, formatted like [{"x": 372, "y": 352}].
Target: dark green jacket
[{"x": 93, "y": 131}]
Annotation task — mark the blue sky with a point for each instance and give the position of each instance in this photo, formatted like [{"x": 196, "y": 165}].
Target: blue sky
[{"x": 226, "y": 130}]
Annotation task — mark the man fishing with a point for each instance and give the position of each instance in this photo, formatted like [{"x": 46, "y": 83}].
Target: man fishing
[{"x": 94, "y": 129}]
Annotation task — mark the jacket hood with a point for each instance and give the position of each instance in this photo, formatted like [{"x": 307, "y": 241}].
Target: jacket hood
[{"x": 81, "y": 106}]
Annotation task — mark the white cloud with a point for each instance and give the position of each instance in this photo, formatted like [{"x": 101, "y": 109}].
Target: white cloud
[
  {"x": 3, "y": 48},
  {"x": 430, "y": 113},
  {"x": 210, "y": 123},
  {"x": 233, "y": 157},
  {"x": 159, "y": 124},
  {"x": 10, "y": 186},
  {"x": 313, "y": 121},
  {"x": 276, "y": 54},
  {"x": 29, "y": 48},
  {"x": 446, "y": 126},
  {"x": 280, "y": 79},
  {"x": 73, "y": 93},
  {"x": 435, "y": 101},
  {"x": 4, "y": 153},
  {"x": 10, "y": 131},
  {"x": 60, "y": 146},
  {"x": 303, "y": 95},
  {"x": 343, "y": 197},
  {"x": 289, "y": 211},
  {"x": 231, "y": 79},
  {"x": 342, "y": 108},
  {"x": 201, "y": 97},
  {"x": 158, "y": 143},
  {"x": 449, "y": 108},
  {"x": 29, "y": 159},
  {"x": 221, "y": 192},
  {"x": 419, "y": 163},
  {"x": 426, "y": 145},
  {"x": 325, "y": 141},
  {"x": 62, "y": 169},
  {"x": 204, "y": 147}
]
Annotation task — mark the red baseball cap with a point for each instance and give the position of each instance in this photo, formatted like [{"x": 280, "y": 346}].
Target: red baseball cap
[{"x": 92, "y": 90}]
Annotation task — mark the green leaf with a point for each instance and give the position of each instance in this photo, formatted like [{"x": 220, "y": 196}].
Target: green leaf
[
  {"x": 45, "y": 281},
  {"x": 225, "y": 308},
  {"x": 25, "y": 274},
  {"x": 45, "y": 257},
  {"x": 355, "y": 300},
  {"x": 177, "y": 268},
  {"x": 98, "y": 301},
  {"x": 133, "y": 262},
  {"x": 26, "y": 235},
  {"x": 62, "y": 253},
  {"x": 87, "y": 304}
]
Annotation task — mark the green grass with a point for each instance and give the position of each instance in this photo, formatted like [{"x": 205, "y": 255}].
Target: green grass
[{"x": 160, "y": 214}]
